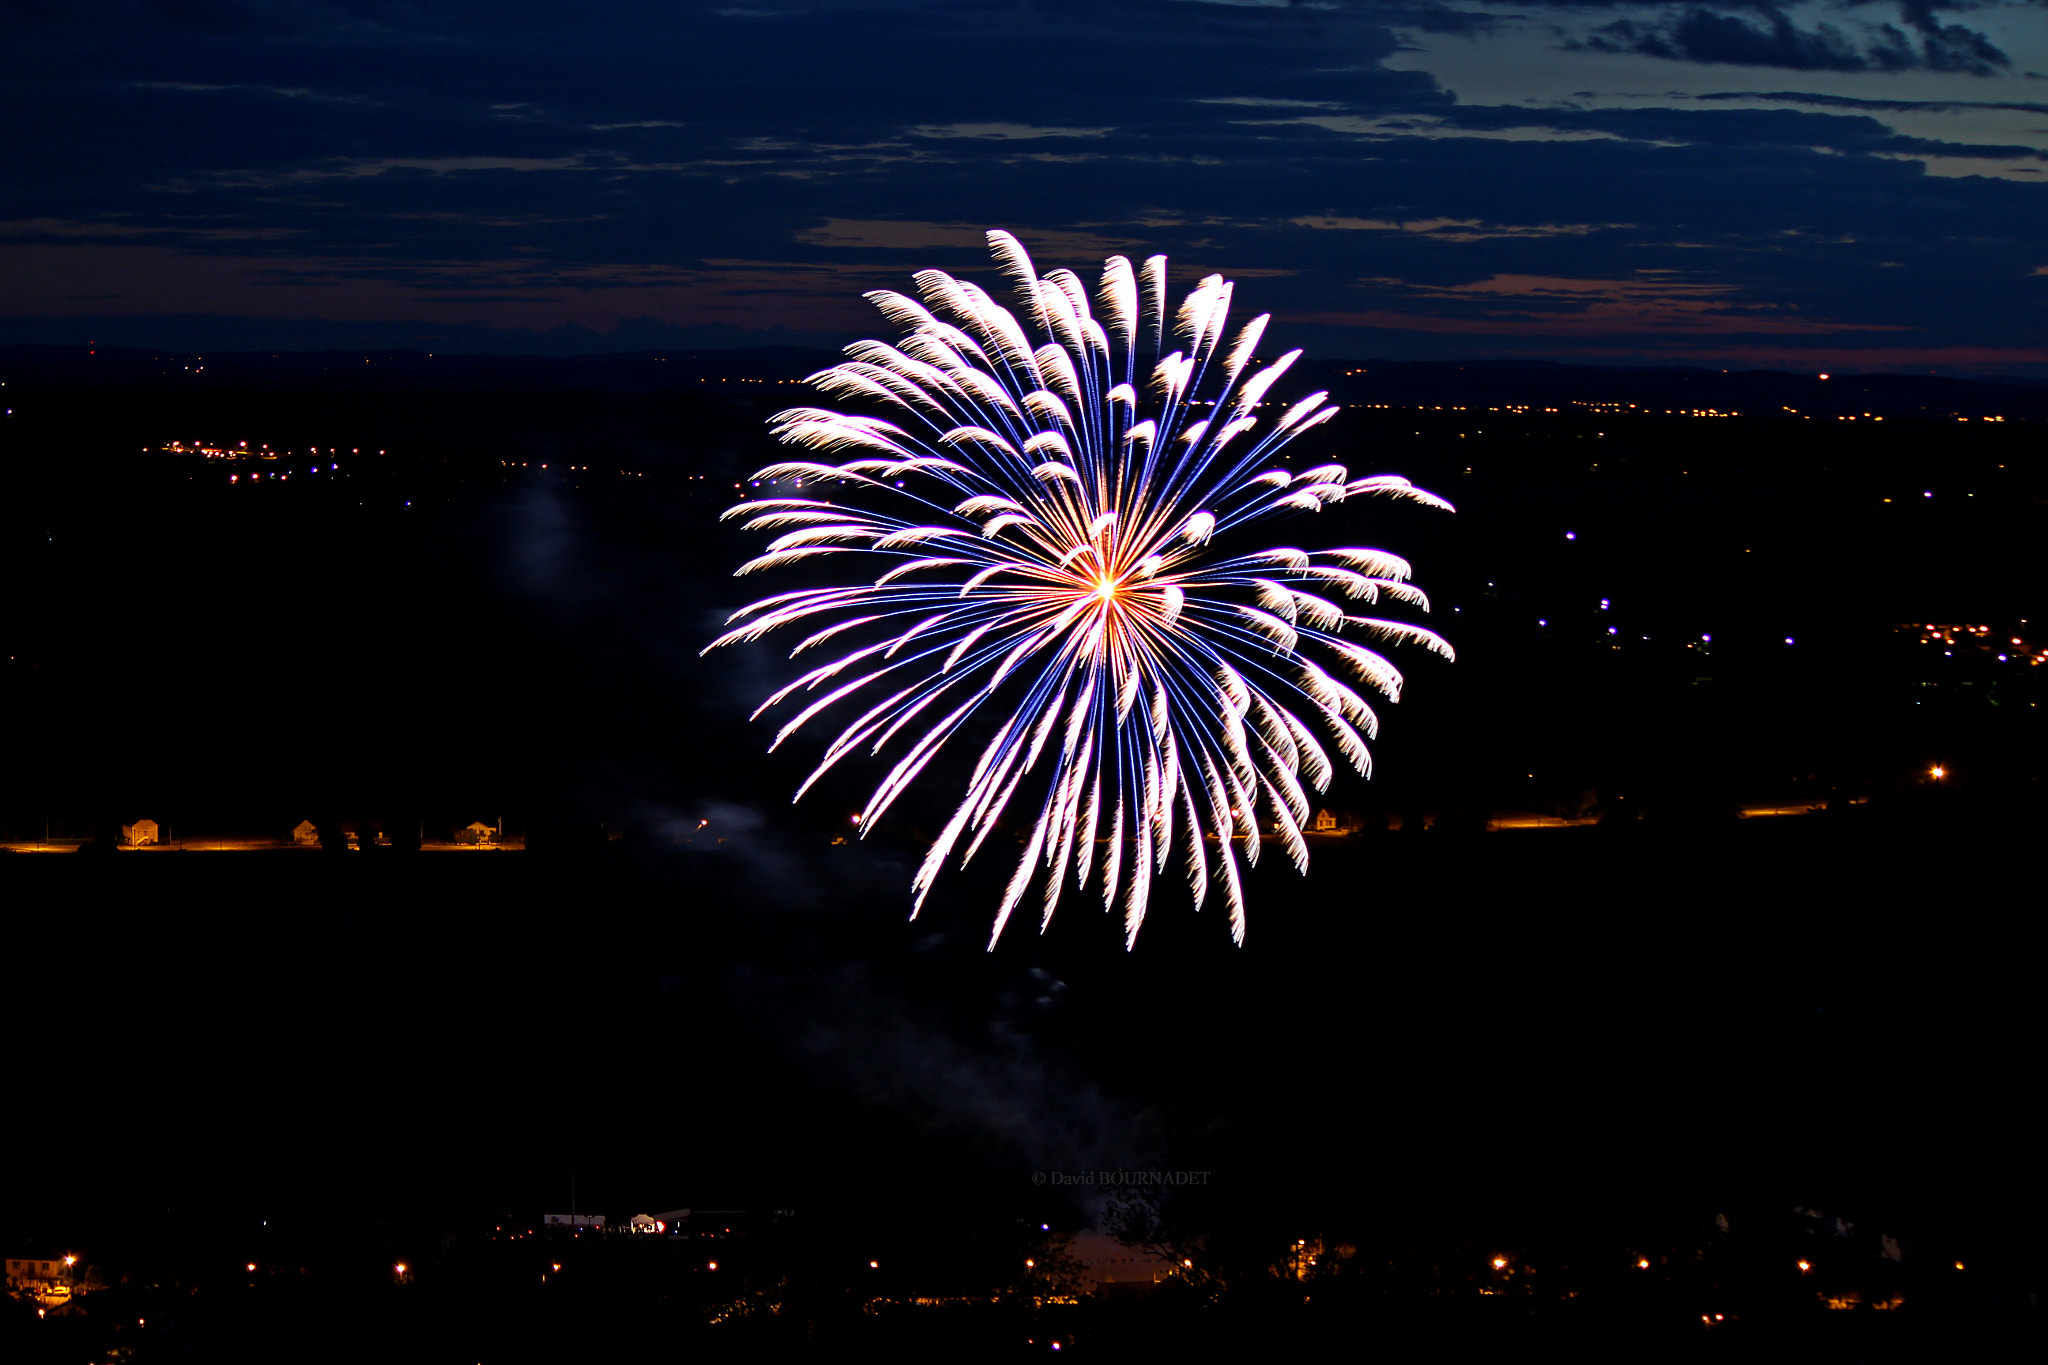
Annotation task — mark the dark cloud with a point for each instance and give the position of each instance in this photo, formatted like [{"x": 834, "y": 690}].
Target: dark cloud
[
  {"x": 527, "y": 175},
  {"x": 1852, "y": 102},
  {"x": 1768, "y": 37}
]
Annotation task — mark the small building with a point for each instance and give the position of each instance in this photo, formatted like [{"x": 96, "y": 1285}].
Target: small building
[
  {"x": 47, "y": 1279},
  {"x": 476, "y": 832},
  {"x": 305, "y": 833},
  {"x": 1325, "y": 821},
  {"x": 139, "y": 834},
  {"x": 573, "y": 1220}
]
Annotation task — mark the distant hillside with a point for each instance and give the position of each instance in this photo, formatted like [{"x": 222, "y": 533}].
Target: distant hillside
[{"x": 1587, "y": 388}]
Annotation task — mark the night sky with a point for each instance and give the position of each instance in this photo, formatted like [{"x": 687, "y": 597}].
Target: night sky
[{"x": 1839, "y": 185}]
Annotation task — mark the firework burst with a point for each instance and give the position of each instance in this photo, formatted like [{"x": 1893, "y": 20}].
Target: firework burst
[{"x": 1059, "y": 483}]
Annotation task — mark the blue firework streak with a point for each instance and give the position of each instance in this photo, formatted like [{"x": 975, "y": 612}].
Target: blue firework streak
[{"x": 1049, "y": 558}]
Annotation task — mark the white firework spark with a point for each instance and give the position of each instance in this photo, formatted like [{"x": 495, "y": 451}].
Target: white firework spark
[{"x": 1055, "y": 567}]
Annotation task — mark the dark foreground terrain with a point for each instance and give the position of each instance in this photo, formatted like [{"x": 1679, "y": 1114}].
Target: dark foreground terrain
[
  {"x": 1571, "y": 1050},
  {"x": 1648, "y": 1064}
]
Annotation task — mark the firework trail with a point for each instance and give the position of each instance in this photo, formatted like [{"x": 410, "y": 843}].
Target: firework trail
[{"x": 1049, "y": 562}]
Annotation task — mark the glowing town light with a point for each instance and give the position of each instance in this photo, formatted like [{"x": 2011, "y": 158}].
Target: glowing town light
[
  {"x": 1056, "y": 562},
  {"x": 1937, "y": 772}
]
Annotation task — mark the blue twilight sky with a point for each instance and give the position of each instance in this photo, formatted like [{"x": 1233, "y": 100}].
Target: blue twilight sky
[{"x": 1832, "y": 185}]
